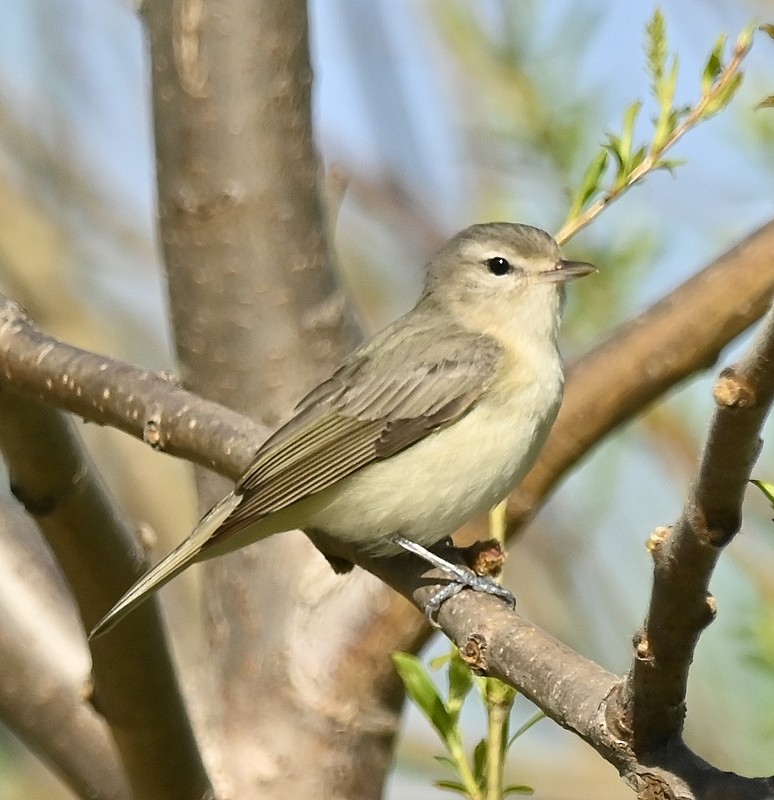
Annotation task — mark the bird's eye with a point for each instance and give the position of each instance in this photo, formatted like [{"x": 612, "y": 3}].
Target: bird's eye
[{"x": 499, "y": 265}]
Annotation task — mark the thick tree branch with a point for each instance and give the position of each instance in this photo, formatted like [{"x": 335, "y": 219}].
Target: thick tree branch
[
  {"x": 572, "y": 690},
  {"x": 135, "y": 687},
  {"x": 259, "y": 319},
  {"x": 147, "y": 405},
  {"x": 680, "y": 335},
  {"x": 652, "y": 702},
  {"x": 43, "y": 666}
]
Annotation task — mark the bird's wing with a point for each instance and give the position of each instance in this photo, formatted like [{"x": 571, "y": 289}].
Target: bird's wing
[{"x": 385, "y": 398}]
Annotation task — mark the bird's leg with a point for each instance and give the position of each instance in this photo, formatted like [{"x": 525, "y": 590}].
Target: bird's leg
[{"x": 462, "y": 578}]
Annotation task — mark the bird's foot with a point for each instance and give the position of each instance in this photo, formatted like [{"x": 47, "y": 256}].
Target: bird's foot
[{"x": 462, "y": 578}]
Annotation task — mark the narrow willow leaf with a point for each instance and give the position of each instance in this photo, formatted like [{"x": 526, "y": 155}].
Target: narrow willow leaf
[
  {"x": 423, "y": 692},
  {"x": 440, "y": 661},
  {"x": 767, "y": 489},
  {"x": 452, "y": 786},
  {"x": 460, "y": 683},
  {"x": 670, "y": 164},
  {"x": 614, "y": 146},
  {"x": 590, "y": 182},
  {"x": 627, "y": 134},
  {"x": 745, "y": 39},
  {"x": 517, "y": 788},
  {"x": 714, "y": 65},
  {"x": 664, "y": 92},
  {"x": 656, "y": 45},
  {"x": 535, "y": 718},
  {"x": 479, "y": 761},
  {"x": 768, "y": 28},
  {"x": 723, "y": 97},
  {"x": 669, "y": 84},
  {"x": 637, "y": 158}
]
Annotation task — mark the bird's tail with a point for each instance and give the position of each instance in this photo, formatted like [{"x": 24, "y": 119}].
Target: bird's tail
[{"x": 169, "y": 566}]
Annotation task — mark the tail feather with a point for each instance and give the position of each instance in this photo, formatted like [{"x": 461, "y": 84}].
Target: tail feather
[{"x": 169, "y": 566}]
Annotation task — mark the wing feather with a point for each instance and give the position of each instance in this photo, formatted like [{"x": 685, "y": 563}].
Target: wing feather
[{"x": 389, "y": 395}]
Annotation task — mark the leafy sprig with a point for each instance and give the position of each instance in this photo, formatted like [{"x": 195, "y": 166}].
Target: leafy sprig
[
  {"x": 720, "y": 81},
  {"x": 480, "y": 775}
]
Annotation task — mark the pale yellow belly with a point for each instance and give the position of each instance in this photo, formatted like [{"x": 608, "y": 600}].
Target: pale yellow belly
[{"x": 429, "y": 490}]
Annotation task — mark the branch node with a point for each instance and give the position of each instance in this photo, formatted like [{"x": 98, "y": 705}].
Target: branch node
[
  {"x": 642, "y": 651},
  {"x": 151, "y": 434},
  {"x": 718, "y": 532},
  {"x": 614, "y": 722},
  {"x": 733, "y": 391},
  {"x": 657, "y": 538},
  {"x": 711, "y": 609},
  {"x": 484, "y": 557},
  {"x": 473, "y": 652}
]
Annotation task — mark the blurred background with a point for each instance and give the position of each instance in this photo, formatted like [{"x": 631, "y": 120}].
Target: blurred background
[{"x": 431, "y": 116}]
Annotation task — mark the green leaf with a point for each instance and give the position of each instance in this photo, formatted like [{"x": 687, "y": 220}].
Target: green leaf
[
  {"x": 714, "y": 65},
  {"x": 614, "y": 146},
  {"x": 517, "y": 788},
  {"x": 452, "y": 786},
  {"x": 745, "y": 39},
  {"x": 670, "y": 164},
  {"x": 656, "y": 45},
  {"x": 767, "y": 489},
  {"x": 590, "y": 182},
  {"x": 723, "y": 97},
  {"x": 479, "y": 761},
  {"x": 423, "y": 692},
  {"x": 637, "y": 158},
  {"x": 535, "y": 718},
  {"x": 449, "y": 762},
  {"x": 768, "y": 28},
  {"x": 460, "y": 683},
  {"x": 627, "y": 134},
  {"x": 621, "y": 147},
  {"x": 441, "y": 661}
]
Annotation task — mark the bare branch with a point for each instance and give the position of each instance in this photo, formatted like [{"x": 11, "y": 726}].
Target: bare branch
[
  {"x": 147, "y": 405},
  {"x": 135, "y": 687},
  {"x": 572, "y": 690},
  {"x": 44, "y": 663},
  {"x": 259, "y": 318},
  {"x": 652, "y": 703}
]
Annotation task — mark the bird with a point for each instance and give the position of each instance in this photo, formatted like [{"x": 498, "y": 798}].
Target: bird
[{"x": 426, "y": 426}]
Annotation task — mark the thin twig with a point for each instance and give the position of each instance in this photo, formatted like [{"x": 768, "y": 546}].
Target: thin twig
[{"x": 653, "y": 160}]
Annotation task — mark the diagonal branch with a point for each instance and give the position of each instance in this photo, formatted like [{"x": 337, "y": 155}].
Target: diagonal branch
[
  {"x": 43, "y": 667},
  {"x": 652, "y": 701},
  {"x": 135, "y": 687},
  {"x": 147, "y": 405},
  {"x": 571, "y": 689}
]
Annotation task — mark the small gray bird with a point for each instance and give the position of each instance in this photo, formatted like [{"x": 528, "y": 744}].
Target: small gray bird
[{"x": 425, "y": 427}]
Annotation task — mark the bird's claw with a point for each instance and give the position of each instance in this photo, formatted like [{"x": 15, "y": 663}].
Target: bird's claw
[{"x": 462, "y": 578}]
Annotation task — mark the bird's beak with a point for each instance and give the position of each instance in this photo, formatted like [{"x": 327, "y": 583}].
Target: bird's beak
[{"x": 567, "y": 271}]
